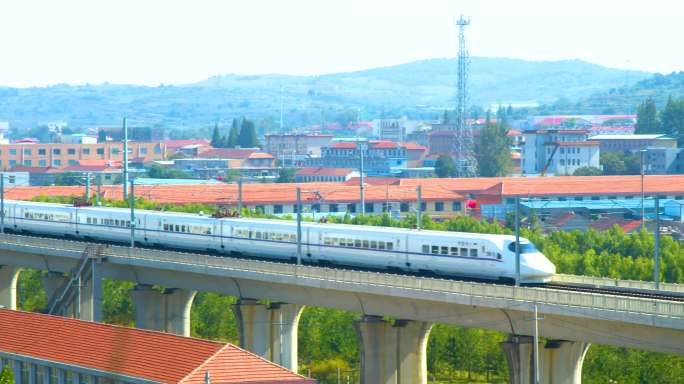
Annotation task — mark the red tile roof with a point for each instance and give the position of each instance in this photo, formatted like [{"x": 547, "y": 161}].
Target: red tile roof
[
  {"x": 373, "y": 180},
  {"x": 175, "y": 144},
  {"x": 260, "y": 155},
  {"x": 133, "y": 352},
  {"x": 344, "y": 145},
  {"x": 324, "y": 171},
  {"x": 413, "y": 147},
  {"x": 382, "y": 144}
]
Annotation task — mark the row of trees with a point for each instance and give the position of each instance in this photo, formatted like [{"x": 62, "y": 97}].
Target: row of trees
[
  {"x": 669, "y": 121},
  {"x": 244, "y": 137},
  {"x": 327, "y": 340},
  {"x": 613, "y": 163}
]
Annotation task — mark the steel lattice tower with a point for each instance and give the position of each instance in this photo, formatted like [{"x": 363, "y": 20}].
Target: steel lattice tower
[{"x": 464, "y": 151}]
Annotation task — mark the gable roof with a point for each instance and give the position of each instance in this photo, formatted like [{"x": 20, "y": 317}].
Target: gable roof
[{"x": 149, "y": 355}]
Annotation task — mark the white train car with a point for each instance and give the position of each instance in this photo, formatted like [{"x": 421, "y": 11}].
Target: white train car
[{"x": 475, "y": 255}]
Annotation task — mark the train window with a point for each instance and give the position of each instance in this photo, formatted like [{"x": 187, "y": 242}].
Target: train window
[
  {"x": 166, "y": 227},
  {"x": 426, "y": 248},
  {"x": 183, "y": 228},
  {"x": 464, "y": 252},
  {"x": 326, "y": 241},
  {"x": 435, "y": 249},
  {"x": 357, "y": 243},
  {"x": 177, "y": 228},
  {"x": 498, "y": 256},
  {"x": 374, "y": 244},
  {"x": 473, "y": 252},
  {"x": 365, "y": 244},
  {"x": 445, "y": 251},
  {"x": 381, "y": 245},
  {"x": 258, "y": 235},
  {"x": 454, "y": 251},
  {"x": 389, "y": 246}
]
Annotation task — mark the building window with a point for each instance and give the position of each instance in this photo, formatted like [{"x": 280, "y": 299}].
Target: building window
[
  {"x": 13, "y": 151},
  {"x": 12, "y": 163},
  {"x": 42, "y": 152},
  {"x": 404, "y": 207},
  {"x": 278, "y": 208},
  {"x": 56, "y": 163},
  {"x": 71, "y": 151},
  {"x": 25, "y": 372},
  {"x": 100, "y": 151},
  {"x": 143, "y": 151},
  {"x": 333, "y": 208},
  {"x": 351, "y": 207},
  {"x": 42, "y": 163},
  {"x": 27, "y": 163},
  {"x": 85, "y": 151},
  {"x": 423, "y": 207},
  {"x": 260, "y": 209},
  {"x": 56, "y": 151},
  {"x": 114, "y": 151},
  {"x": 157, "y": 150},
  {"x": 369, "y": 207},
  {"x": 73, "y": 162},
  {"x": 27, "y": 151},
  {"x": 456, "y": 206},
  {"x": 439, "y": 206}
]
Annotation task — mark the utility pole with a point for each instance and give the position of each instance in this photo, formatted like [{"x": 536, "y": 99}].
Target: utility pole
[
  {"x": 536, "y": 344},
  {"x": 98, "y": 182},
  {"x": 240, "y": 195},
  {"x": 299, "y": 226},
  {"x": 125, "y": 159},
  {"x": 361, "y": 186},
  {"x": 656, "y": 248},
  {"x": 517, "y": 242},
  {"x": 419, "y": 209},
  {"x": 132, "y": 204},
  {"x": 643, "y": 210},
  {"x": 87, "y": 186},
  {"x": 2, "y": 203}
]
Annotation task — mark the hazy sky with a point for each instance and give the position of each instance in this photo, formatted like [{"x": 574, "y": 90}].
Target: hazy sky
[{"x": 173, "y": 41}]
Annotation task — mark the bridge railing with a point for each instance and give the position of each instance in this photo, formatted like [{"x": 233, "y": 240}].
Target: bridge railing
[
  {"x": 617, "y": 283},
  {"x": 523, "y": 297}
]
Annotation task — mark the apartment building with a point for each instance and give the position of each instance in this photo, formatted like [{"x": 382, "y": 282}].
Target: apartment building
[{"x": 62, "y": 155}]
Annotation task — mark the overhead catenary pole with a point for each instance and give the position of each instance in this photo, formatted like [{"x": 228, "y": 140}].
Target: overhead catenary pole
[
  {"x": 517, "y": 241},
  {"x": 656, "y": 247},
  {"x": 2, "y": 203},
  {"x": 361, "y": 186},
  {"x": 132, "y": 204},
  {"x": 98, "y": 183},
  {"x": 643, "y": 210},
  {"x": 536, "y": 344},
  {"x": 419, "y": 208},
  {"x": 299, "y": 226},
  {"x": 87, "y": 186},
  {"x": 239, "y": 207},
  {"x": 125, "y": 158}
]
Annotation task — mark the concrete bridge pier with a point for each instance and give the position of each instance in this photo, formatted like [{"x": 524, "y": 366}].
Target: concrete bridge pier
[
  {"x": 392, "y": 353},
  {"x": 166, "y": 311},
  {"x": 560, "y": 361},
  {"x": 8, "y": 286},
  {"x": 269, "y": 331}
]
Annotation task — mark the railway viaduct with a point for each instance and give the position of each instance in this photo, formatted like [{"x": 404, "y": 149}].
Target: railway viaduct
[{"x": 391, "y": 352}]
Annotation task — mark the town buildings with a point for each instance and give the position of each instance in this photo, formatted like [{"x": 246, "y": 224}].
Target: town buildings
[
  {"x": 380, "y": 157},
  {"x": 631, "y": 143},
  {"x": 558, "y": 151},
  {"x": 291, "y": 149},
  {"x": 306, "y": 175}
]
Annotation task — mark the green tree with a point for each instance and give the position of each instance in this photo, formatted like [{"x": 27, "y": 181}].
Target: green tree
[
  {"x": 493, "y": 150},
  {"x": 216, "y": 140},
  {"x": 233, "y": 135},
  {"x": 157, "y": 171},
  {"x": 587, "y": 171},
  {"x": 6, "y": 375},
  {"x": 672, "y": 119},
  {"x": 647, "y": 117},
  {"x": 444, "y": 166},
  {"x": 247, "y": 137},
  {"x": 620, "y": 163},
  {"x": 286, "y": 175}
]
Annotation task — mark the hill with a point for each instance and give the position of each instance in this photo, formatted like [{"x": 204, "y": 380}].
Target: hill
[
  {"x": 623, "y": 99},
  {"x": 421, "y": 89}
]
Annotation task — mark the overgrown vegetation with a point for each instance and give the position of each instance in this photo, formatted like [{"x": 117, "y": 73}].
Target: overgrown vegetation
[{"x": 455, "y": 354}]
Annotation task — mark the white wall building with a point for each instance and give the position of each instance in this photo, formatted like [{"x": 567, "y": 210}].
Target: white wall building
[{"x": 572, "y": 151}]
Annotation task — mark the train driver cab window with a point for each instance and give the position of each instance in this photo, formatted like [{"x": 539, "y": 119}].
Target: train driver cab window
[{"x": 525, "y": 247}]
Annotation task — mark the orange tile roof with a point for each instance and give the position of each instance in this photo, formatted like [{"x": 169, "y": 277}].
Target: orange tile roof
[
  {"x": 133, "y": 352},
  {"x": 260, "y": 155},
  {"x": 227, "y": 153},
  {"x": 413, "y": 147}
]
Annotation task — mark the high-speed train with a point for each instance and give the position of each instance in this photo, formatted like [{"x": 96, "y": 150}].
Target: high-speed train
[{"x": 481, "y": 256}]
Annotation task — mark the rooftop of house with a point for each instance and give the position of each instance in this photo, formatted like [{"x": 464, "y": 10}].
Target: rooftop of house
[
  {"x": 657, "y": 136},
  {"x": 130, "y": 352},
  {"x": 324, "y": 171}
]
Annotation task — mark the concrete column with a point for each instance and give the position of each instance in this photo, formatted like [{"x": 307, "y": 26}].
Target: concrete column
[
  {"x": 392, "y": 354},
  {"x": 167, "y": 311},
  {"x": 92, "y": 296},
  {"x": 269, "y": 331},
  {"x": 254, "y": 325},
  {"x": 560, "y": 361},
  {"x": 284, "y": 325},
  {"x": 8, "y": 286}
]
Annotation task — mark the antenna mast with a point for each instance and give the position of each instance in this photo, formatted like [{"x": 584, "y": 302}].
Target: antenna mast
[{"x": 466, "y": 164}]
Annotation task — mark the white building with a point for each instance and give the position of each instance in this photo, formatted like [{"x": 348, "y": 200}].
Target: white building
[
  {"x": 558, "y": 151},
  {"x": 78, "y": 138},
  {"x": 394, "y": 129}
]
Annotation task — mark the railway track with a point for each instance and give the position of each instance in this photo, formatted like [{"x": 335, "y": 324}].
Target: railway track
[{"x": 654, "y": 295}]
